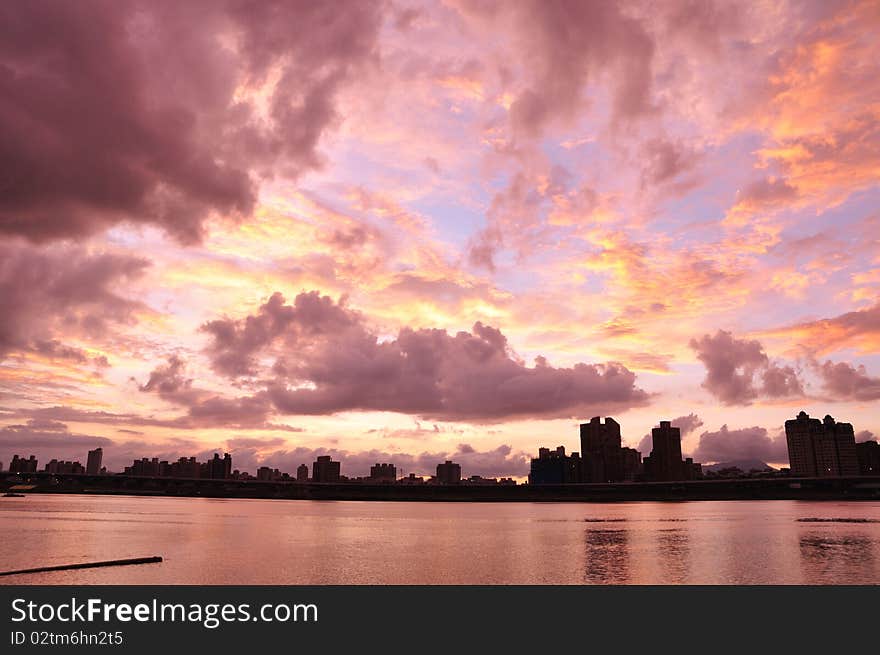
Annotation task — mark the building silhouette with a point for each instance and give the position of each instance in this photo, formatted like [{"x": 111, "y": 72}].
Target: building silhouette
[
  {"x": 555, "y": 467},
  {"x": 267, "y": 474},
  {"x": 185, "y": 467},
  {"x": 448, "y": 473},
  {"x": 64, "y": 468},
  {"x": 22, "y": 465},
  {"x": 325, "y": 469},
  {"x": 821, "y": 448},
  {"x": 868, "y": 456},
  {"x": 219, "y": 469},
  {"x": 93, "y": 463},
  {"x": 603, "y": 457},
  {"x": 384, "y": 473},
  {"x": 144, "y": 466},
  {"x": 302, "y": 473},
  {"x": 665, "y": 464}
]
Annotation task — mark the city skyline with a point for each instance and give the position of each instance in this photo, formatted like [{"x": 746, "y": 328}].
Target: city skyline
[
  {"x": 417, "y": 232},
  {"x": 601, "y": 457}
]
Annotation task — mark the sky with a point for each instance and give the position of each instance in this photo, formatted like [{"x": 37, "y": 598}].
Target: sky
[{"x": 407, "y": 232}]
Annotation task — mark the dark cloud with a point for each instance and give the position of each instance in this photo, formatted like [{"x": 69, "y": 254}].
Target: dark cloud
[
  {"x": 767, "y": 192},
  {"x": 204, "y": 408},
  {"x": 843, "y": 381},
  {"x": 328, "y": 360},
  {"x": 168, "y": 379},
  {"x": 738, "y": 370},
  {"x": 663, "y": 161},
  {"x": 46, "y": 439},
  {"x": 748, "y": 443},
  {"x": 565, "y": 45},
  {"x": 46, "y": 289},
  {"x": 134, "y": 111},
  {"x": 208, "y": 411},
  {"x": 236, "y": 342}
]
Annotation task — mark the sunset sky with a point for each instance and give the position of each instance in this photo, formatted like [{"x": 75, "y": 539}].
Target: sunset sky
[{"x": 407, "y": 232}]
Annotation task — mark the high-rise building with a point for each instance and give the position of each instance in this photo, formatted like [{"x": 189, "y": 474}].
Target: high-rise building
[
  {"x": 821, "y": 448},
  {"x": 185, "y": 467},
  {"x": 220, "y": 469},
  {"x": 325, "y": 469},
  {"x": 302, "y": 473},
  {"x": 22, "y": 465},
  {"x": 448, "y": 473},
  {"x": 601, "y": 451},
  {"x": 267, "y": 474},
  {"x": 93, "y": 463},
  {"x": 64, "y": 468},
  {"x": 145, "y": 467},
  {"x": 868, "y": 454},
  {"x": 665, "y": 463},
  {"x": 555, "y": 467},
  {"x": 384, "y": 473}
]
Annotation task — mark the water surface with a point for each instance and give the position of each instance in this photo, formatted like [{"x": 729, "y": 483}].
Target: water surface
[{"x": 234, "y": 541}]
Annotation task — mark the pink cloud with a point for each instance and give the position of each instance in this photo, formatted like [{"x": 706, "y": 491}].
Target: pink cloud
[
  {"x": 329, "y": 361},
  {"x": 135, "y": 111},
  {"x": 738, "y": 371}
]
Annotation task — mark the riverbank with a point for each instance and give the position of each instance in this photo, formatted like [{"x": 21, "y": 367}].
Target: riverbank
[{"x": 859, "y": 488}]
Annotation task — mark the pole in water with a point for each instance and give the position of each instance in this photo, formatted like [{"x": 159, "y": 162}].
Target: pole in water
[{"x": 88, "y": 565}]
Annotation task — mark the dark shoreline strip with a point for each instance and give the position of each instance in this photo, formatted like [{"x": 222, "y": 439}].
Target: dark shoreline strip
[{"x": 88, "y": 565}]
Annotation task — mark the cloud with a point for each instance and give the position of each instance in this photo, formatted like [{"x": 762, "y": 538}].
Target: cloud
[
  {"x": 664, "y": 160},
  {"x": 565, "y": 46},
  {"x": 235, "y": 343},
  {"x": 761, "y": 196},
  {"x": 205, "y": 412},
  {"x": 502, "y": 461},
  {"x": 62, "y": 289},
  {"x": 46, "y": 438},
  {"x": 747, "y": 443},
  {"x": 328, "y": 360},
  {"x": 738, "y": 371},
  {"x": 52, "y": 440},
  {"x": 843, "y": 381},
  {"x": 865, "y": 435},
  {"x": 857, "y": 329},
  {"x": 121, "y": 111}
]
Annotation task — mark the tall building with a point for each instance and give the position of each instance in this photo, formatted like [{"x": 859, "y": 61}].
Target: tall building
[
  {"x": 185, "y": 467},
  {"x": 220, "y": 469},
  {"x": 267, "y": 474},
  {"x": 22, "y": 465},
  {"x": 64, "y": 468},
  {"x": 383, "y": 473},
  {"x": 821, "y": 448},
  {"x": 93, "y": 463},
  {"x": 555, "y": 467},
  {"x": 868, "y": 454},
  {"x": 325, "y": 469},
  {"x": 665, "y": 463},
  {"x": 603, "y": 458},
  {"x": 601, "y": 451},
  {"x": 448, "y": 473},
  {"x": 145, "y": 467},
  {"x": 302, "y": 473}
]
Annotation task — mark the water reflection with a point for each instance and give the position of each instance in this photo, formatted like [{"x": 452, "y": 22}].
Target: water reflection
[
  {"x": 303, "y": 542},
  {"x": 836, "y": 558},
  {"x": 607, "y": 556},
  {"x": 674, "y": 552}
]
